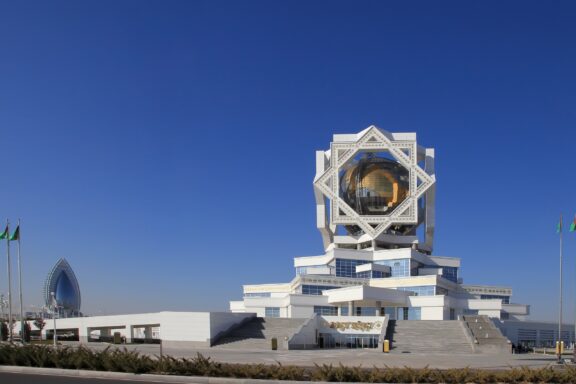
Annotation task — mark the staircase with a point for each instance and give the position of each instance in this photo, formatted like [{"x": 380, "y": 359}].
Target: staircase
[
  {"x": 428, "y": 336},
  {"x": 258, "y": 333},
  {"x": 489, "y": 338}
]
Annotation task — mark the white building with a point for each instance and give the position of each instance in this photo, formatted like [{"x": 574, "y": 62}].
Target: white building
[{"x": 375, "y": 194}]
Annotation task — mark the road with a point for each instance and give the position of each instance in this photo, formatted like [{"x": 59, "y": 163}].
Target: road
[{"x": 24, "y": 378}]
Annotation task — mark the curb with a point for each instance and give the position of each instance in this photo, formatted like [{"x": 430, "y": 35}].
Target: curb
[{"x": 136, "y": 377}]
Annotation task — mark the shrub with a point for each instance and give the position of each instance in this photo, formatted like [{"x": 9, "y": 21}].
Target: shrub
[{"x": 123, "y": 360}]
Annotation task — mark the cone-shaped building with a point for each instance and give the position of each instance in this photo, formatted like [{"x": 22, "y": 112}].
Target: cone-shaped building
[{"x": 62, "y": 281}]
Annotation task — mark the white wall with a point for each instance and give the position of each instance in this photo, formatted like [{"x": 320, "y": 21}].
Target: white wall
[
  {"x": 432, "y": 313},
  {"x": 195, "y": 327},
  {"x": 185, "y": 326},
  {"x": 237, "y": 306},
  {"x": 300, "y": 312},
  {"x": 490, "y": 313}
]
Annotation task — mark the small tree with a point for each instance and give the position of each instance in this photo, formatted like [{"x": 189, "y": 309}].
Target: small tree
[
  {"x": 27, "y": 332},
  {"x": 39, "y": 323},
  {"x": 14, "y": 325}
]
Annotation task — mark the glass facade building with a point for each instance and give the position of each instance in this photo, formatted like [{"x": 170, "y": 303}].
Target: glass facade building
[{"x": 61, "y": 281}]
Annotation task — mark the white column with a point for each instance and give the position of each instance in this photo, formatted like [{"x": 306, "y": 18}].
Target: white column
[
  {"x": 83, "y": 333},
  {"x": 378, "y": 308}
]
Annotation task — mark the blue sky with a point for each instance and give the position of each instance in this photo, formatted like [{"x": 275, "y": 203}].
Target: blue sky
[{"x": 166, "y": 149}]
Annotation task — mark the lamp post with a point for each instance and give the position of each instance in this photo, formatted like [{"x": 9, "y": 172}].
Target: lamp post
[
  {"x": 3, "y": 305},
  {"x": 54, "y": 314}
]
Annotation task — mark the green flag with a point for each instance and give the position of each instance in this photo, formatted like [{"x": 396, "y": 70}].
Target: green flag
[
  {"x": 16, "y": 234},
  {"x": 573, "y": 225},
  {"x": 559, "y": 228},
  {"x": 5, "y": 234}
]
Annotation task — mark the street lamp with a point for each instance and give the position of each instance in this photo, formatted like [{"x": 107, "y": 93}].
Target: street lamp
[
  {"x": 3, "y": 305},
  {"x": 54, "y": 307}
]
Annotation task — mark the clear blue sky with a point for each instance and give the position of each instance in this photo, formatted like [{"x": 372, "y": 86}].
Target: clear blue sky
[{"x": 166, "y": 149}]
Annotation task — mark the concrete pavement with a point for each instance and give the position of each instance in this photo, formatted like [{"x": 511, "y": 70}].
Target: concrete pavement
[{"x": 352, "y": 357}]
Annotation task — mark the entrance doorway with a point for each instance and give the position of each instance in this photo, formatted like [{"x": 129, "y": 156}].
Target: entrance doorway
[{"x": 352, "y": 341}]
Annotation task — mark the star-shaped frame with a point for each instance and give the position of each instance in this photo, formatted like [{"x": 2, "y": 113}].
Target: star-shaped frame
[{"x": 373, "y": 139}]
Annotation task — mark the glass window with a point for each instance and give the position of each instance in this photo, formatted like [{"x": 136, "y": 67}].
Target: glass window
[
  {"x": 347, "y": 340},
  {"x": 371, "y": 275},
  {"x": 325, "y": 310},
  {"x": 414, "y": 313},
  {"x": 257, "y": 294},
  {"x": 315, "y": 289},
  {"x": 347, "y": 267},
  {"x": 364, "y": 275},
  {"x": 365, "y": 311},
  {"x": 450, "y": 273},
  {"x": 402, "y": 313},
  {"x": 390, "y": 312},
  {"x": 424, "y": 290},
  {"x": 398, "y": 267},
  {"x": 272, "y": 312},
  {"x": 379, "y": 274}
]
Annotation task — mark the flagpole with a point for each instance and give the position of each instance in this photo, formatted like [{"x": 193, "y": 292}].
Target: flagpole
[
  {"x": 20, "y": 286},
  {"x": 560, "y": 314},
  {"x": 10, "y": 330},
  {"x": 572, "y": 229}
]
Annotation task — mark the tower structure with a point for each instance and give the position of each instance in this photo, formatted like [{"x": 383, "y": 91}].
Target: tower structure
[
  {"x": 374, "y": 189},
  {"x": 374, "y": 193}
]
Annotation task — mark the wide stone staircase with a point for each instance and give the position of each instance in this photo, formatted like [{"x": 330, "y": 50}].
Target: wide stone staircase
[
  {"x": 258, "y": 333},
  {"x": 428, "y": 336},
  {"x": 487, "y": 336}
]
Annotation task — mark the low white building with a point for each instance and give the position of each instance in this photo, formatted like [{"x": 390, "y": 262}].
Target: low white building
[{"x": 186, "y": 329}]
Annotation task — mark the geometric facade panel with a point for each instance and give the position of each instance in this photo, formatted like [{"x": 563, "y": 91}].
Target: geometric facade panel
[{"x": 373, "y": 140}]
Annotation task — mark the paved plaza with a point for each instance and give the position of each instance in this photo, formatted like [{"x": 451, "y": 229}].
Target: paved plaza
[{"x": 354, "y": 357}]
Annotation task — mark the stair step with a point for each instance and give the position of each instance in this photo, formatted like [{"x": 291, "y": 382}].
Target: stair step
[
  {"x": 258, "y": 333},
  {"x": 429, "y": 336}
]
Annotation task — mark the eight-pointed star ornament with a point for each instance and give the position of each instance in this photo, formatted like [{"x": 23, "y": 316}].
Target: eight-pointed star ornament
[{"x": 374, "y": 140}]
